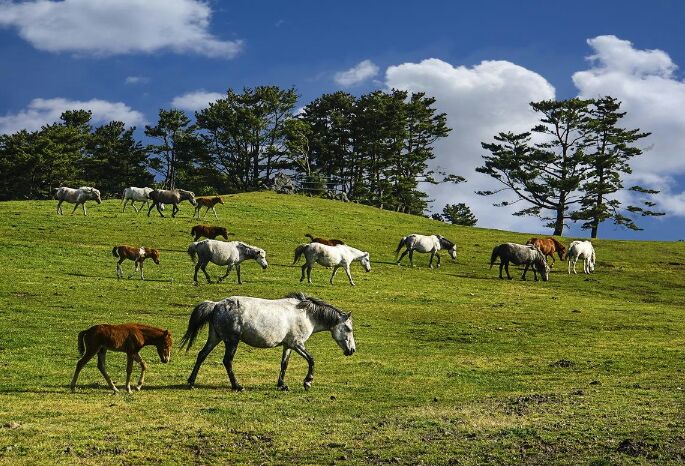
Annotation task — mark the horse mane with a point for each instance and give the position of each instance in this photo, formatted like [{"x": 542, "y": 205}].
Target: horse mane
[
  {"x": 321, "y": 310},
  {"x": 558, "y": 244},
  {"x": 445, "y": 243}
]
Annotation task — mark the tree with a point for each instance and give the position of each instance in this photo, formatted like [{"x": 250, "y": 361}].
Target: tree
[
  {"x": 173, "y": 129},
  {"x": 609, "y": 151},
  {"x": 545, "y": 175},
  {"x": 458, "y": 214}
]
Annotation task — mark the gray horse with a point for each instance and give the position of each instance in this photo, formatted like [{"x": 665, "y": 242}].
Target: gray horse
[
  {"x": 267, "y": 323},
  {"x": 423, "y": 243},
  {"x": 520, "y": 254},
  {"x": 230, "y": 253},
  {"x": 173, "y": 197},
  {"x": 76, "y": 196}
]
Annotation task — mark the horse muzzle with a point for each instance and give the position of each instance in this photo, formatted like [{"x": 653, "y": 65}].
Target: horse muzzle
[{"x": 349, "y": 352}]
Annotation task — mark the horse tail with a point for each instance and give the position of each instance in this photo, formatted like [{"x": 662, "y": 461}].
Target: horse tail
[
  {"x": 493, "y": 257},
  {"x": 115, "y": 251},
  {"x": 199, "y": 317},
  {"x": 81, "y": 342},
  {"x": 399, "y": 246},
  {"x": 192, "y": 252},
  {"x": 298, "y": 252},
  {"x": 308, "y": 235}
]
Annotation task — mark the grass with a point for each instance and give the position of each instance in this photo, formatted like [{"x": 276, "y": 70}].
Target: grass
[{"x": 453, "y": 366}]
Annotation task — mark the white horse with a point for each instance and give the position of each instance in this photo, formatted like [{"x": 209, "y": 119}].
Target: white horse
[
  {"x": 337, "y": 256},
  {"x": 76, "y": 196},
  {"x": 422, "y": 243},
  {"x": 581, "y": 250},
  {"x": 134, "y": 195},
  {"x": 230, "y": 253},
  {"x": 267, "y": 323}
]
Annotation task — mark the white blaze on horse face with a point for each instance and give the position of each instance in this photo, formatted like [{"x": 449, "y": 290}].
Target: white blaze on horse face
[
  {"x": 453, "y": 252},
  {"x": 342, "y": 334}
]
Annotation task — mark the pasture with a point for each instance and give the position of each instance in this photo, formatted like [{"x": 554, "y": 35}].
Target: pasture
[{"x": 453, "y": 365}]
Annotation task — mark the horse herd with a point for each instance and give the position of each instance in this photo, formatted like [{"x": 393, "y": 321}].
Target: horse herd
[{"x": 263, "y": 323}]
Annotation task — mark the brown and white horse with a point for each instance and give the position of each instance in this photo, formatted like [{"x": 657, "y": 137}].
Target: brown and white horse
[
  {"x": 137, "y": 255},
  {"x": 549, "y": 246},
  {"x": 209, "y": 203},
  {"x": 128, "y": 338},
  {"x": 327, "y": 242},
  {"x": 76, "y": 196}
]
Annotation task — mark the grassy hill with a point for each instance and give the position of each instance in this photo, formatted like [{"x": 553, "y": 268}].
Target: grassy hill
[{"x": 452, "y": 365}]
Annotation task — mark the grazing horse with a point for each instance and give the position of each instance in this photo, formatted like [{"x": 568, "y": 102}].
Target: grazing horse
[
  {"x": 208, "y": 202},
  {"x": 173, "y": 197},
  {"x": 133, "y": 195},
  {"x": 422, "y": 243},
  {"x": 209, "y": 232},
  {"x": 337, "y": 256},
  {"x": 137, "y": 255},
  {"x": 328, "y": 242},
  {"x": 128, "y": 338},
  {"x": 520, "y": 254},
  {"x": 549, "y": 246},
  {"x": 230, "y": 253},
  {"x": 581, "y": 250},
  {"x": 76, "y": 196},
  {"x": 267, "y": 323}
]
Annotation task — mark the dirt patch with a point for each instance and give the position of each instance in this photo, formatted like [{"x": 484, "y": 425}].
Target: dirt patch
[
  {"x": 522, "y": 405},
  {"x": 565, "y": 363}
]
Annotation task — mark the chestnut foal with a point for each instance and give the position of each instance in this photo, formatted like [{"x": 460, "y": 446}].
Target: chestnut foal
[{"x": 137, "y": 255}]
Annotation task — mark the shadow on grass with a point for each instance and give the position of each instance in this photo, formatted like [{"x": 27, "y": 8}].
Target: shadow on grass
[{"x": 100, "y": 277}]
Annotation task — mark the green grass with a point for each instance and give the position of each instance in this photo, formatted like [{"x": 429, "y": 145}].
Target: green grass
[{"x": 452, "y": 365}]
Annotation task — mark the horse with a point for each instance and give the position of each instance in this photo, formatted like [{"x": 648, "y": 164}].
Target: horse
[
  {"x": 422, "y": 243},
  {"x": 230, "y": 253},
  {"x": 337, "y": 256},
  {"x": 549, "y": 246},
  {"x": 267, "y": 323},
  {"x": 209, "y": 232},
  {"x": 134, "y": 195},
  {"x": 137, "y": 255},
  {"x": 328, "y": 242},
  {"x": 208, "y": 202},
  {"x": 128, "y": 338},
  {"x": 581, "y": 250},
  {"x": 173, "y": 197},
  {"x": 520, "y": 254},
  {"x": 76, "y": 196}
]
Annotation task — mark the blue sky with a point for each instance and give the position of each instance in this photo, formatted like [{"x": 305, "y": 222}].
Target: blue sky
[{"x": 128, "y": 58}]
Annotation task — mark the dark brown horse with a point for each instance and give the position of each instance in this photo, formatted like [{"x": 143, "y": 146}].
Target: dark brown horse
[
  {"x": 209, "y": 232},
  {"x": 327, "y": 242},
  {"x": 137, "y": 255},
  {"x": 549, "y": 246},
  {"x": 209, "y": 203},
  {"x": 127, "y": 338}
]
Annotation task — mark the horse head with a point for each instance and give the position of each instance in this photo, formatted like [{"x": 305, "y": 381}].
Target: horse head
[
  {"x": 153, "y": 254},
  {"x": 366, "y": 262},
  {"x": 164, "y": 347},
  {"x": 260, "y": 257},
  {"x": 449, "y": 246},
  {"x": 541, "y": 265},
  {"x": 342, "y": 334},
  {"x": 189, "y": 196}
]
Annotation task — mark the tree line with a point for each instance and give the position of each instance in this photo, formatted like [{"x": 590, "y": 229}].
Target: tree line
[{"x": 376, "y": 148}]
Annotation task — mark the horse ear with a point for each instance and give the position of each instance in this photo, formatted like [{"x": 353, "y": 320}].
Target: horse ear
[{"x": 166, "y": 332}]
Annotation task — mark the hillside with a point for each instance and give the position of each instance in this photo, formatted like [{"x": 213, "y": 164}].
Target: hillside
[{"x": 452, "y": 365}]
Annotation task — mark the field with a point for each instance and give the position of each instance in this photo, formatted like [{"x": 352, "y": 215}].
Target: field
[{"x": 453, "y": 366}]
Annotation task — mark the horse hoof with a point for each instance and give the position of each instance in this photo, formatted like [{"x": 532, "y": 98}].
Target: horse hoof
[
  {"x": 138, "y": 387},
  {"x": 196, "y": 284},
  {"x": 307, "y": 385},
  {"x": 238, "y": 388},
  {"x": 283, "y": 388}
]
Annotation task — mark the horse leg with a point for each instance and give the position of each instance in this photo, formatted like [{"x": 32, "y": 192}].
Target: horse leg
[
  {"x": 123, "y": 208},
  {"x": 349, "y": 275},
  {"x": 87, "y": 356},
  {"x": 309, "y": 272},
  {"x": 506, "y": 268},
  {"x": 59, "y": 208},
  {"x": 174, "y": 210},
  {"x": 430, "y": 262},
  {"x": 206, "y": 210},
  {"x": 143, "y": 368},
  {"x": 302, "y": 351},
  {"x": 402, "y": 256},
  {"x": 129, "y": 369},
  {"x": 75, "y": 207},
  {"x": 553, "y": 260},
  {"x": 501, "y": 266},
  {"x": 215, "y": 215},
  {"x": 284, "y": 366},
  {"x": 120, "y": 273},
  {"x": 231, "y": 347},
  {"x": 237, "y": 271},
  {"x": 203, "y": 266},
  {"x": 304, "y": 267},
  {"x": 159, "y": 209},
  {"x": 142, "y": 277},
  {"x": 228, "y": 269},
  {"x": 101, "y": 365},
  {"x": 152, "y": 206},
  {"x": 212, "y": 341},
  {"x": 85, "y": 212},
  {"x": 574, "y": 266},
  {"x": 525, "y": 270},
  {"x": 335, "y": 270},
  {"x": 411, "y": 257},
  {"x": 135, "y": 269}
]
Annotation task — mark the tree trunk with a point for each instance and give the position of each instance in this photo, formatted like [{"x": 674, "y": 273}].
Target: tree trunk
[{"x": 559, "y": 223}]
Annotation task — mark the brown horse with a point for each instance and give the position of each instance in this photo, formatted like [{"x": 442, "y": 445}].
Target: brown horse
[
  {"x": 128, "y": 338},
  {"x": 137, "y": 255},
  {"x": 327, "y": 242},
  {"x": 209, "y": 203},
  {"x": 209, "y": 232},
  {"x": 549, "y": 246}
]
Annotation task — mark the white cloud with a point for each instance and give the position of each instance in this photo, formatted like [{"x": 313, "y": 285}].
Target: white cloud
[
  {"x": 195, "y": 100},
  {"x": 137, "y": 80},
  {"x": 113, "y": 27},
  {"x": 654, "y": 100},
  {"x": 43, "y": 111},
  {"x": 480, "y": 102},
  {"x": 359, "y": 73}
]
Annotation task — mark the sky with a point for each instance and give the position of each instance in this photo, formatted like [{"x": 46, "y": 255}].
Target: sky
[{"x": 483, "y": 61}]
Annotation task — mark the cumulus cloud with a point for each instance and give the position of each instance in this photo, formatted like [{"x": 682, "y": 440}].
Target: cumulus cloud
[
  {"x": 357, "y": 74},
  {"x": 113, "y": 27},
  {"x": 480, "y": 102},
  {"x": 43, "y": 111},
  {"x": 654, "y": 98},
  {"x": 195, "y": 100}
]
